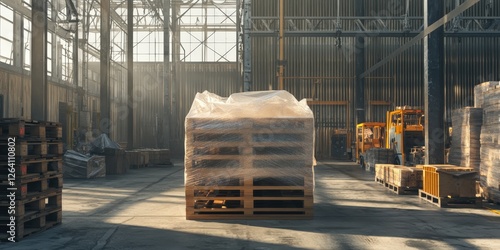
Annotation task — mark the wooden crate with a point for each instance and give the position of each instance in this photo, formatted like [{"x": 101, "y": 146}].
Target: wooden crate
[
  {"x": 403, "y": 176},
  {"x": 249, "y": 168},
  {"x": 449, "y": 181}
]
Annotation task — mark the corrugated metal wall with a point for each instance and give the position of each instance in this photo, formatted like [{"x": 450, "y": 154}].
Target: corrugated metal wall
[
  {"x": 469, "y": 61},
  {"x": 190, "y": 78}
]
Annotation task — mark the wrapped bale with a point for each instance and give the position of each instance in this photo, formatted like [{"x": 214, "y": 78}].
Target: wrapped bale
[
  {"x": 480, "y": 90},
  {"x": 378, "y": 156},
  {"x": 465, "y": 146},
  {"x": 249, "y": 156},
  {"x": 490, "y": 141}
]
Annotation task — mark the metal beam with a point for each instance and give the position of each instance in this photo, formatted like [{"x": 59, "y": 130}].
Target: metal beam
[
  {"x": 105, "y": 97},
  {"x": 17, "y": 6},
  {"x": 372, "y": 34},
  {"x": 434, "y": 85},
  {"x": 39, "y": 60},
  {"x": 360, "y": 68},
  {"x": 281, "y": 38},
  {"x": 423, "y": 34},
  {"x": 247, "y": 45},
  {"x": 130, "y": 74},
  {"x": 167, "y": 83}
]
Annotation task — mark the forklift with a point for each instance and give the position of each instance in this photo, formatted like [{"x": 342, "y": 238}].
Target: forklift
[
  {"x": 405, "y": 135},
  {"x": 368, "y": 135}
]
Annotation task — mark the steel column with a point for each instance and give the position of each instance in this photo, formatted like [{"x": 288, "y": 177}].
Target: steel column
[
  {"x": 39, "y": 60},
  {"x": 434, "y": 84},
  {"x": 360, "y": 68},
  {"x": 247, "y": 45},
  {"x": 130, "y": 73},
  {"x": 18, "y": 47},
  {"x": 166, "y": 76},
  {"x": 281, "y": 59},
  {"x": 105, "y": 97}
]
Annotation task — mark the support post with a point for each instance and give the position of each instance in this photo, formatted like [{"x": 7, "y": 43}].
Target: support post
[
  {"x": 166, "y": 75},
  {"x": 434, "y": 84},
  {"x": 281, "y": 60},
  {"x": 247, "y": 45},
  {"x": 130, "y": 74},
  {"x": 39, "y": 60},
  {"x": 360, "y": 69},
  {"x": 105, "y": 98}
]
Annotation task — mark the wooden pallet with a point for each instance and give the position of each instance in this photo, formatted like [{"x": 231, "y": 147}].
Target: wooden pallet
[
  {"x": 457, "y": 202},
  {"x": 397, "y": 189},
  {"x": 25, "y": 149},
  {"x": 30, "y": 167},
  {"x": 53, "y": 130},
  {"x": 245, "y": 202},
  {"x": 249, "y": 168},
  {"x": 31, "y": 186},
  {"x": 28, "y": 207},
  {"x": 42, "y": 221},
  {"x": 55, "y": 148},
  {"x": 21, "y": 128}
]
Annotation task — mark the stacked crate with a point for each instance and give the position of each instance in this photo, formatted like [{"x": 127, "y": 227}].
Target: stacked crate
[
  {"x": 399, "y": 179},
  {"x": 33, "y": 178},
  {"x": 488, "y": 97},
  {"x": 449, "y": 185},
  {"x": 465, "y": 146},
  {"x": 249, "y": 167}
]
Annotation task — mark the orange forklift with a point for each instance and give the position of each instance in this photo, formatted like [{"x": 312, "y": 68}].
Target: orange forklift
[{"x": 368, "y": 135}]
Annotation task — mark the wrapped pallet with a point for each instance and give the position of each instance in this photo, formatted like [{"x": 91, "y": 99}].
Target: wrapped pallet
[
  {"x": 480, "y": 90},
  {"x": 378, "y": 156},
  {"x": 490, "y": 140},
  {"x": 249, "y": 156},
  {"x": 465, "y": 145}
]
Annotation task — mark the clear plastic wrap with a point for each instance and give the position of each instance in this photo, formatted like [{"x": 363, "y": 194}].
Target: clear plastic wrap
[
  {"x": 465, "y": 144},
  {"x": 255, "y": 148},
  {"x": 490, "y": 144},
  {"x": 100, "y": 143}
]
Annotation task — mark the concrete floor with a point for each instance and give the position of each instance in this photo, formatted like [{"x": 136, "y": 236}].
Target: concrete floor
[{"x": 144, "y": 209}]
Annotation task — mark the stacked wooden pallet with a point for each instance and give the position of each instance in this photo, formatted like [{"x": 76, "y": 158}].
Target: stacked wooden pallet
[
  {"x": 240, "y": 167},
  {"x": 490, "y": 140},
  {"x": 30, "y": 176},
  {"x": 465, "y": 146},
  {"x": 399, "y": 179},
  {"x": 449, "y": 186}
]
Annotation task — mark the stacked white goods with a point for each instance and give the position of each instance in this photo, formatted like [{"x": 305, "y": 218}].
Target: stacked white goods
[
  {"x": 479, "y": 91},
  {"x": 490, "y": 142},
  {"x": 465, "y": 145}
]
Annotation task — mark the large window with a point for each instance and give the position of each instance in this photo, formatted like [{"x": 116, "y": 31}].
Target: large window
[{"x": 6, "y": 34}]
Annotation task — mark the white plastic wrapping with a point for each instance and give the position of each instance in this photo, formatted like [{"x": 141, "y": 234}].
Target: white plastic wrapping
[
  {"x": 255, "y": 147},
  {"x": 490, "y": 140},
  {"x": 465, "y": 144}
]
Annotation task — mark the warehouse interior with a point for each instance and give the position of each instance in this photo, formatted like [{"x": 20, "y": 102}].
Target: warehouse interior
[{"x": 128, "y": 77}]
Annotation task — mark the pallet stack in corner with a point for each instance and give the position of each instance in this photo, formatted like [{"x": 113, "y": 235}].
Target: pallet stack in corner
[
  {"x": 465, "y": 146},
  {"x": 488, "y": 97},
  {"x": 249, "y": 157},
  {"x": 32, "y": 179}
]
